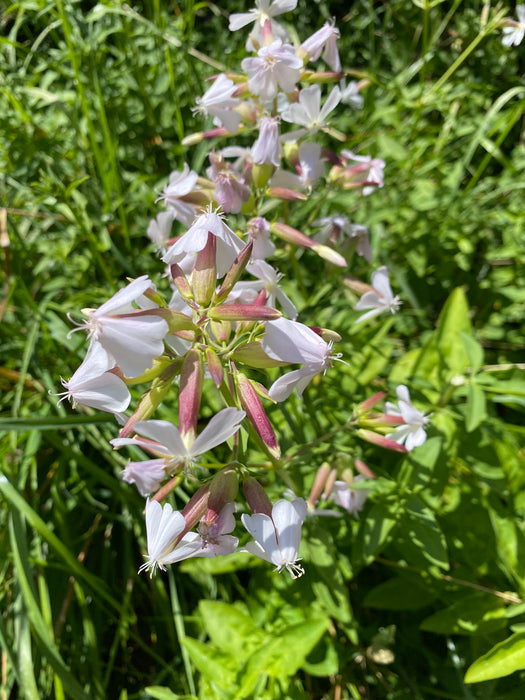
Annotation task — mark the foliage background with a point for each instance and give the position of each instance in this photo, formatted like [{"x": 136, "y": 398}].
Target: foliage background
[{"x": 94, "y": 101}]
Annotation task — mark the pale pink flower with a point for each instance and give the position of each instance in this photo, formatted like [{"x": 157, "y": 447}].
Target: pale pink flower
[
  {"x": 277, "y": 538},
  {"x": 185, "y": 249},
  {"x": 380, "y": 298},
  {"x": 324, "y": 40},
  {"x": 336, "y": 227},
  {"x": 94, "y": 385},
  {"x": 259, "y": 232},
  {"x": 159, "y": 229},
  {"x": 268, "y": 279},
  {"x": 514, "y": 32},
  {"x": 308, "y": 111},
  {"x": 146, "y": 475},
  {"x": 352, "y": 500},
  {"x": 274, "y": 66},
  {"x": 214, "y": 538},
  {"x": 165, "y": 440},
  {"x": 412, "y": 433},
  {"x": 264, "y": 11},
  {"x": 265, "y": 150},
  {"x": 370, "y": 170},
  {"x": 132, "y": 339},
  {"x": 350, "y": 95},
  {"x": 293, "y": 342},
  {"x": 230, "y": 190},
  {"x": 219, "y": 102},
  {"x": 310, "y": 169},
  {"x": 180, "y": 184}
]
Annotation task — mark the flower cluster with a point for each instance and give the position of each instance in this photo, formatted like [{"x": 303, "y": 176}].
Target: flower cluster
[{"x": 216, "y": 325}]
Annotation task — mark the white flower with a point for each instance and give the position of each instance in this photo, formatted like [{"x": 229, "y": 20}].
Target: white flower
[
  {"x": 95, "y": 386},
  {"x": 183, "y": 450},
  {"x": 325, "y": 40},
  {"x": 180, "y": 185},
  {"x": 159, "y": 229},
  {"x": 213, "y": 537},
  {"x": 334, "y": 226},
  {"x": 131, "y": 338},
  {"x": 274, "y": 66},
  {"x": 352, "y": 500},
  {"x": 185, "y": 249},
  {"x": 293, "y": 342},
  {"x": 310, "y": 168},
  {"x": 268, "y": 280},
  {"x": 265, "y": 10},
  {"x": 412, "y": 433},
  {"x": 147, "y": 476},
  {"x": 514, "y": 32},
  {"x": 277, "y": 538},
  {"x": 219, "y": 102},
  {"x": 308, "y": 111},
  {"x": 350, "y": 95},
  {"x": 371, "y": 170},
  {"x": 265, "y": 150},
  {"x": 380, "y": 298},
  {"x": 163, "y": 527},
  {"x": 259, "y": 232}
]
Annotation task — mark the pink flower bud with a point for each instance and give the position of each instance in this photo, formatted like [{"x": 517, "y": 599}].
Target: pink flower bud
[
  {"x": 243, "y": 312},
  {"x": 381, "y": 440},
  {"x": 190, "y": 393},
  {"x": 223, "y": 489},
  {"x": 287, "y": 194},
  {"x": 204, "y": 275},
  {"x": 364, "y": 469},
  {"x": 221, "y": 330},
  {"x": 251, "y": 403},
  {"x": 256, "y": 496},
  {"x": 370, "y": 402},
  {"x": 195, "y": 508},
  {"x": 181, "y": 282},
  {"x": 214, "y": 366},
  {"x": 292, "y": 235},
  {"x": 320, "y": 478}
]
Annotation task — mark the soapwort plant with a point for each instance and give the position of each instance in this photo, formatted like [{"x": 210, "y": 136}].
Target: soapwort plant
[{"x": 226, "y": 314}]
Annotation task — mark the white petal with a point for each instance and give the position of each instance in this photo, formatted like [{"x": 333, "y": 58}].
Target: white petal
[
  {"x": 163, "y": 432},
  {"x": 262, "y": 529},
  {"x": 381, "y": 283},
  {"x": 121, "y": 301},
  {"x": 290, "y": 341},
  {"x": 288, "y": 519},
  {"x": 222, "y": 426}
]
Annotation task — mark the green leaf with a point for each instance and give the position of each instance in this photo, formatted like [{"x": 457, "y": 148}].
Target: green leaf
[
  {"x": 399, "y": 593},
  {"x": 423, "y": 540},
  {"x": 478, "y": 614},
  {"x": 229, "y": 628},
  {"x": 474, "y": 351},
  {"x": 375, "y": 531},
  {"x": 502, "y": 660},
  {"x": 160, "y": 693},
  {"x": 476, "y": 408},
  {"x": 216, "y": 665}
]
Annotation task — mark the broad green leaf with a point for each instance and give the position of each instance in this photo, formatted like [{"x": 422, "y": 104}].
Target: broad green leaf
[
  {"x": 478, "y": 614},
  {"x": 229, "y": 628},
  {"x": 476, "y": 408},
  {"x": 473, "y": 350},
  {"x": 399, "y": 593},
  {"x": 454, "y": 320},
  {"x": 502, "y": 660},
  {"x": 218, "y": 666},
  {"x": 375, "y": 531},
  {"x": 323, "y": 660}
]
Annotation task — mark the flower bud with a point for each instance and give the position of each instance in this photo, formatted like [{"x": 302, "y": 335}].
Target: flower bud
[
  {"x": 235, "y": 272},
  {"x": 256, "y": 496},
  {"x": 204, "y": 275},
  {"x": 223, "y": 489},
  {"x": 292, "y": 235},
  {"x": 381, "y": 440},
  {"x": 243, "y": 312},
  {"x": 196, "y": 507},
  {"x": 320, "y": 478},
  {"x": 181, "y": 282},
  {"x": 214, "y": 366},
  {"x": 287, "y": 194},
  {"x": 190, "y": 393},
  {"x": 251, "y": 403},
  {"x": 221, "y": 330}
]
